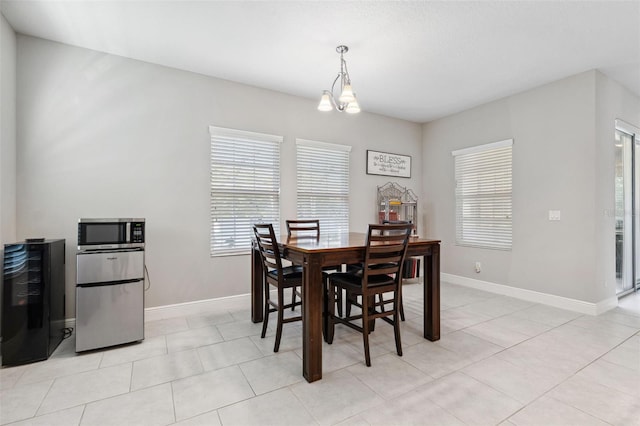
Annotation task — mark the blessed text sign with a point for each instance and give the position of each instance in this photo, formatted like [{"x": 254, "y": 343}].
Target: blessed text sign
[{"x": 386, "y": 164}]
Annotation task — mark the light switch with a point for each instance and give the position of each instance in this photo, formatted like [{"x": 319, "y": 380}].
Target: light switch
[{"x": 554, "y": 214}]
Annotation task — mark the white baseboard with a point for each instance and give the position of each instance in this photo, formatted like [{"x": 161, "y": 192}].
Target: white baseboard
[
  {"x": 191, "y": 308},
  {"x": 181, "y": 309},
  {"x": 534, "y": 296}
]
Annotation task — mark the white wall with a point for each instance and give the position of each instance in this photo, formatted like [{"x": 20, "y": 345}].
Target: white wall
[
  {"x": 613, "y": 101},
  {"x": 104, "y": 136},
  {"x": 558, "y": 164},
  {"x": 7, "y": 133}
]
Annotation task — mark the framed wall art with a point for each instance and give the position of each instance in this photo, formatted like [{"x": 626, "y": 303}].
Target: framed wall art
[{"x": 387, "y": 164}]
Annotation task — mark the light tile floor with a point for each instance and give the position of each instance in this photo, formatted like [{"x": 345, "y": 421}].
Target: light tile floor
[{"x": 500, "y": 361}]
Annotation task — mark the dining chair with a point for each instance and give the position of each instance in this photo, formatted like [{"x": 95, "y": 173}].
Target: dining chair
[
  {"x": 381, "y": 276},
  {"x": 350, "y": 297},
  {"x": 407, "y": 262},
  {"x": 275, "y": 275},
  {"x": 309, "y": 228}
]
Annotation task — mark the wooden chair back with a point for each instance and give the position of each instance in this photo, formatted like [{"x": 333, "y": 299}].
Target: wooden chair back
[
  {"x": 386, "y": 250},
  {"x": 268, "y": 247},
  {"x": 304, "y": 227}
]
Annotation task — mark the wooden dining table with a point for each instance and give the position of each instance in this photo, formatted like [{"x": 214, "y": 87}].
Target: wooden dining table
[{"x": 336, "y": 249}]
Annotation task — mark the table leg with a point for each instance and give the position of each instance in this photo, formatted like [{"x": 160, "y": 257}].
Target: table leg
[
  {"x": 432, "y": 294},
  {"x": 257, "y": 289},
  {"x": 312, "y": 319}
]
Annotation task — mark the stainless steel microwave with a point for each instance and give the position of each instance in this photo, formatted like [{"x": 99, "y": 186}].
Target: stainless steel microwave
[{"x": 100, "y": 234}]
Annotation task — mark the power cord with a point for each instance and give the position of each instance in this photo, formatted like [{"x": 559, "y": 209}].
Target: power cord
[
  {"x": 67, "y": 332},
  {"x": 148, "y": 277}
]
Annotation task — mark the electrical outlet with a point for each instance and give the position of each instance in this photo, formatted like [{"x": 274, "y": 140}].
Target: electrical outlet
[
  {"x": 478, "y": 267},
  {"x": 554, "y": 214}
]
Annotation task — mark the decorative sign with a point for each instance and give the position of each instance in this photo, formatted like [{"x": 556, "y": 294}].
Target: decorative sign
[{"x": 386, "y": 164}]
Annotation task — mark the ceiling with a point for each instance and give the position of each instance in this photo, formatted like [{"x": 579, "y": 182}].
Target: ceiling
[{"x": 414, "y": 60}]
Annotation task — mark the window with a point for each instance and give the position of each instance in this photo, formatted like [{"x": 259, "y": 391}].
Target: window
[
  {"x": 483, "y": 195},
  {"x": 245, "y": 187},
  {"x": 323, "y": 184}
]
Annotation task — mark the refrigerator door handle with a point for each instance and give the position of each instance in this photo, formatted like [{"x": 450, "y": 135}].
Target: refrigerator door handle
[{"x": 106, "y": 283}]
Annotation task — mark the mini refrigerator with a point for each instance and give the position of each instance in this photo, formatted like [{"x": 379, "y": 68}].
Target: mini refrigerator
[
  {"x": 33, "y": 300},
  {"x": 109, "y": 298}
]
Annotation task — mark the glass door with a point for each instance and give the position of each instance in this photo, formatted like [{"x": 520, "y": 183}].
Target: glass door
[{"x": 627, "y": 198}]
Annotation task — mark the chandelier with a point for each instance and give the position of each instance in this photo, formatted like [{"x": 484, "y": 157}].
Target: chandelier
[{"x": 347, "y": 101}]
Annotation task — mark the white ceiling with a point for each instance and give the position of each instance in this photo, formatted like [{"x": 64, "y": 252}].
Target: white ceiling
[{"x": 415, "y": 60}]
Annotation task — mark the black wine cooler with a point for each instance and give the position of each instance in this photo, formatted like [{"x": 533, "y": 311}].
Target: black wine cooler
[{"x": 33, "y": 300}]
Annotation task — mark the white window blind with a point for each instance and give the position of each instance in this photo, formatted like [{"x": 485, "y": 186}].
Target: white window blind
[
  {"x": 484, "y": 195},
  {"x": 323, "y": 184},
  {"x": 245, "y": 187}
]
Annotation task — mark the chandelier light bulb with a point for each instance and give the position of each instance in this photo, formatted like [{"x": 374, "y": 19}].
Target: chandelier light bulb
[
  {"x": 353, "y": 107},
  {"x": 325, "y": 102},
  {"x": 347, "y": 94}
]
